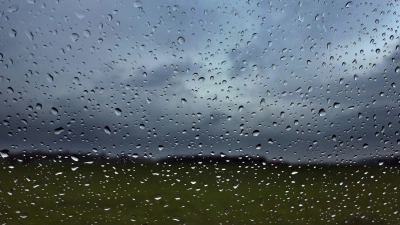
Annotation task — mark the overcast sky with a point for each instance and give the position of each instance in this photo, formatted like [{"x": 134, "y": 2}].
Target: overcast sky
[{"x": 301, "y": 80}]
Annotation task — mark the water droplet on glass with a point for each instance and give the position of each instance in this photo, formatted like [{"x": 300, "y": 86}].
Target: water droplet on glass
[
  {"x": 322, "y": 112},
  {"x": 201, "y": 79},
  {"x": 39, "y": 106},
  {"x": 349, "y": 4},
  {"x": 148, "y": 100},
  {"x": 4, "y": 153},
  {"x": 58, "y": 130},
  {"x": 256, "y": 133},
  {"x": 183, "y": 100},
  {"x": 262, "y": 102},
  {"x": 74, "y": 157},
  {"x": 74, "y": 37},
  {"x": 393, "y": 85},
  {"x": 118, "y": 111},
  {"x": 107, "y": 130},
  {"x": 12, "y": 8},
  {"x": 80, "y": 14},
  {"x": 137, "y": 4},
  {"x": 54, "y": 111},
  {"x": 258, "y": 146},
  {"x": 86, "y": 33},
  {"x": 181, "y": 40},
  {"x": 10, "y": 90},
  {"x": 12, "y": 33},
  {"x": 270, "y": 141},
  {"x": 336, "y": 105},
  {"x": 241, "y": 108},
  {"x": 160, "y": 147},
  {"x": 397, "y": 70},
  {"x": 50, "y": 78},
  {"x": 157, "y": 197},
  {"x": 365, "y": 145}
]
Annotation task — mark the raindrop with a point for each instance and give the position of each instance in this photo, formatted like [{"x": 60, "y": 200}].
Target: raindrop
[
  {"x": 86, "y": 33},
  {"x": 160, "y": 147},
  {"x": 258, "y": 147},
  {"x": 393, "y": 85},
  {"x": 262, "y": 102},
  {"x": 148, "y": 100},
  {"x": 157, "y": 197},
  {"x": 336, "y": 105},
  {"x": 322, "y": 112},
  {"x": 10, "y": 90},
  {"x": 74, "y": 37},
  {"x": 141, "y": 126},
  {"x": 58, "y": 130},
  {"x": 365, "y": 145},
  {"x": 107, "y": 130},
  {"x": 12, "y": 33},
  {"x": 118, "y": 111},
  {"x": 12, "y": 8},
  {"x": 183, "y": 100},
  {"x": 397, "y": 70},
  {"x": 39, "y": 106},
  {"x": 201, "y": 79},
  {"x": 74, "y": 157},
  {"x": 240, "y": 108},
  {"x": 54, "y": 111},
  {"x": 50, "y": 78},
  {"x": 4, "y": 153},
  {"x": 181, "y": 40},
  {"x": 80, "y": 14},
  {"x": 270, "y": 141},
  {"x": 349, "y": 4},
  {"x": 256, "y": 133},
  {"x": 137, "y": 4}
]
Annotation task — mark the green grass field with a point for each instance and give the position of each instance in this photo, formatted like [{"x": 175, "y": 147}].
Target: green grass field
[{"x": 77, "y": 193}]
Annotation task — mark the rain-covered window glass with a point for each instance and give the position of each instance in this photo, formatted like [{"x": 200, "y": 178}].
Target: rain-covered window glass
[{"x": 199, "y": 112}]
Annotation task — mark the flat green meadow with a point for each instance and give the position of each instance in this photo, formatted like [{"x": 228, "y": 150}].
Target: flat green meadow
[{"x": 192, "y": 193}]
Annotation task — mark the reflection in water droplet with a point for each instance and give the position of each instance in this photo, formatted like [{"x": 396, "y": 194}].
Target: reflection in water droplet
[
  {"x": 107, "y": 130},
  {"x": 256, "y": 133},
  {"x": 12, "y": 33},
  {"x": 181, "y": 40},
  {"x": 58, "y": 130},
  {"x": 336, "y": 105},
  {"x": 118, "y": 111},
  {"x": 137, "y": 4},
  {"x": 74, "y": 157},
  {"x": 4, "y": 153},
  {"x": 74, "y": 37},
  {"x": 322, "y": 112},
  {"x": 13, "y": 8},
  {"x": 54, "y": 111}
]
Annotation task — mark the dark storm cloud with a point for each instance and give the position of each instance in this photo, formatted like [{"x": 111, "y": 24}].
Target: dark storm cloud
[{"x": 201, "y": 77}]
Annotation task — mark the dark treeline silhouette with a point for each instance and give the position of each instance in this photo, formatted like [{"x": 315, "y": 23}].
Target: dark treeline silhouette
[{"x": 67, "y": 156}]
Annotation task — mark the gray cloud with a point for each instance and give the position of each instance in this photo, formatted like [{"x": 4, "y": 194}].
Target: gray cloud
[{"x": 317, "y": 80}]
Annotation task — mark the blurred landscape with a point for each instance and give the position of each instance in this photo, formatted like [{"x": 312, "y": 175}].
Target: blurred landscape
[{"x": 96, "y": 189}]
